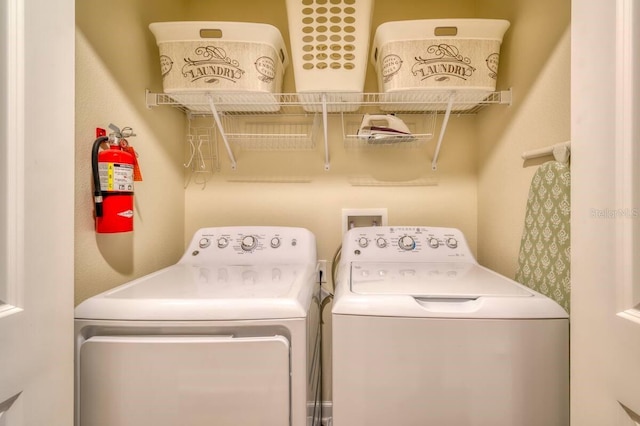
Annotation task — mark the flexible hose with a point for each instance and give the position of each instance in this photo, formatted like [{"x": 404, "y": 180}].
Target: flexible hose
[
  {"x": 97, "y": 190},
  {"x": 325, "y": 301},
  {"x": 334, "y": 267}
]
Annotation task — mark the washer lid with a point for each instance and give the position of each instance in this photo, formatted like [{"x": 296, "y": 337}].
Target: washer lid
[
  {"x": 463, "y": 290},
  {"x": 192, "y": 292},
  {"x": 437, "y": 280}
]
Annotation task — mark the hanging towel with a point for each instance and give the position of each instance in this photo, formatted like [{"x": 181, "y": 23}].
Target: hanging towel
[{"x": 545, "y": 247}]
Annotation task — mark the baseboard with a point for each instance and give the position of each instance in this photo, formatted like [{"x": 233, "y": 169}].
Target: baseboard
[{"x": 327, "y": 413}]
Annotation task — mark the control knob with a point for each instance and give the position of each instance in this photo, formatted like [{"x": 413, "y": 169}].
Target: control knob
[
  {"x": 363, "y": 242},
  {"x": 275, "y": 242},
  {"x": 452, "y": 242},
  {"x": 223, "y": 242},
  {"x": 381, "y": 242},
  {"x": 204, "y": 242},
  {"x": 434, "y": 243},
  {"x": 407, "y": 243},
  {"x": 248, "y": 243}
]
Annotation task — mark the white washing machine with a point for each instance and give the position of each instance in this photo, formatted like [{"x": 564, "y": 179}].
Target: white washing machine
[
  {"x": 423, "y": 335},
  {"x": 228, "y": 336}
]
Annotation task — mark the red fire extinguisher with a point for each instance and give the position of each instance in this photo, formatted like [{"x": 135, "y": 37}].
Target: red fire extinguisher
[{"x": 113, "y": 177}]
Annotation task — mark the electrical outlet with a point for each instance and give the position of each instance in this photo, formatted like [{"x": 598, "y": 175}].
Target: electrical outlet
[{"x": 354, "y": 218}]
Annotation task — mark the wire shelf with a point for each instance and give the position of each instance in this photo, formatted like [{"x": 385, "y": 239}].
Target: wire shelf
[
  {"x": 198, "y": 103},
  {"x": 281, "y": 133},
  {"x": 271, "y": 130}
]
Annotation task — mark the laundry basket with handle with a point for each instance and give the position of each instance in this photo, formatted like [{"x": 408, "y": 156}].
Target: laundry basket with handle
[
  {"x": 329, "y": 50},
  {"x": 227, "y": 60},
  {"x": 426, "y": 60}
]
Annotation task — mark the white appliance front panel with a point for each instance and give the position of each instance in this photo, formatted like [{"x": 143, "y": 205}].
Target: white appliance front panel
[
  {"x": 184, "y": 380},
  {"x": 454, "y": 280},
  {"x": 417, "y": 372}
]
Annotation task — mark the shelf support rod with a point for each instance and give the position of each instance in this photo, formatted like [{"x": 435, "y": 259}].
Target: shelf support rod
[
  {"x": 325, "y": 130},
  {"x": 216, "y": 117},
  {"x": 443, "y": 128}
]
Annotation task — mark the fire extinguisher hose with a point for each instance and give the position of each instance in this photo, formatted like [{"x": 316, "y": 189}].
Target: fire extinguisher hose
[{"x": 97, "y": 190}]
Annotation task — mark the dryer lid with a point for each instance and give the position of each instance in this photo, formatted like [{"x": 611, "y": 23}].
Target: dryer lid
[
  {"x": 211, "y": 292},
  {"x": 437, "y": 280}
]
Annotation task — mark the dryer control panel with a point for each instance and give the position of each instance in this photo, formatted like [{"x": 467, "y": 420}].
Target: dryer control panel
[
  {"x": 406, "y": 244},
  {"x": 251, "y": 244}
]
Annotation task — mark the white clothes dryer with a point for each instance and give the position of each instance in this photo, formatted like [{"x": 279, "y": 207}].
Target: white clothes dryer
[
  {"x": 227, "y": 336},
  {"x": 424, "y": 335}
]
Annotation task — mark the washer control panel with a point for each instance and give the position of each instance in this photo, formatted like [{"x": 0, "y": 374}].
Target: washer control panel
[
  {"x": 406, "y": 244},
  {"x": 255, "y": 244}
]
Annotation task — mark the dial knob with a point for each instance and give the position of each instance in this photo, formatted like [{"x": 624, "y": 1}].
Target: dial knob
[
  {"x": 248, "y": 243},
  {"x": 452, "y": 243},
  {"x": 363, "y": 242},
  {"x": 381, "y": 242},
  {"x": 275, "y": 242},
  {"x": 204, "y": 242},
  {"x": 434, "y": 243},
  {"x": 223, "y": 242},
  {"x": 406, "y": 243}
]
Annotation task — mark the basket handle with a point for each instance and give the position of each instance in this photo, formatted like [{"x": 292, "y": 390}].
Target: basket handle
[
  {"x": 445, "y": 31},
  {"x": 210, "y": 33},
  {"x": 217, "y": 33}
]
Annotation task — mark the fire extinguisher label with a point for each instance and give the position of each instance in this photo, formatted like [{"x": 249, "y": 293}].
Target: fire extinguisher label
[
  {"x": 116, "y": 176},
  {"x": 127, "y": 213}
]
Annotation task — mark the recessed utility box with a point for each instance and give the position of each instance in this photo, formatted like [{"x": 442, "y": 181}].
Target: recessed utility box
[{"x": 352, "y": 218}]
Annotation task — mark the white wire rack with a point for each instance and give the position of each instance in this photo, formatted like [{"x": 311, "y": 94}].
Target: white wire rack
[
  {"x": 421, "y": 127},
  {"x": 202, "y": 158},
  {"x": 289, "y": 132},
  {"x": 467, "y": 102},
  {"x": 258, "y": 121}
]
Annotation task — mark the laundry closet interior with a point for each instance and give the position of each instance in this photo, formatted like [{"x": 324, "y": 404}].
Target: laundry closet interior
[{"x": 480, "y": 185}]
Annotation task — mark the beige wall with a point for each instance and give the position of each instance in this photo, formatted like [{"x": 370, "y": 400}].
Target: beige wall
[
  {"x": 449, "y": 199},
  {"x": 535, "y": 62},
  {"x": 116, "y": 59}
]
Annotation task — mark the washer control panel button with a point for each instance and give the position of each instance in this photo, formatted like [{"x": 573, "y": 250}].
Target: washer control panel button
[
  {"x": 407, "y": 243},
  {"x": 223, "y": 242},
  {"x": 275, "y": 242},
  {"x": 248, "y": 243}
]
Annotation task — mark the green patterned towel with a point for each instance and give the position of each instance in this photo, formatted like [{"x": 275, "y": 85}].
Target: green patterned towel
[{"x": 545, "y": 249}]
